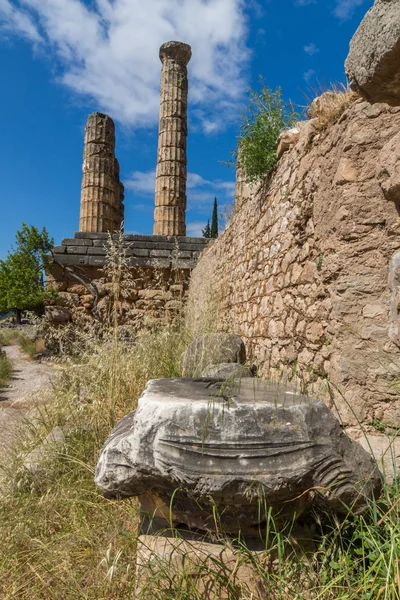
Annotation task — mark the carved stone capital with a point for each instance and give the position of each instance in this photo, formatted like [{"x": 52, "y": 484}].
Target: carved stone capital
[{"x": 177, "y": 51}]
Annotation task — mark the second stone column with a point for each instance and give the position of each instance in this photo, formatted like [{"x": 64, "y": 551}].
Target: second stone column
[{"x": 171, "y": 174}]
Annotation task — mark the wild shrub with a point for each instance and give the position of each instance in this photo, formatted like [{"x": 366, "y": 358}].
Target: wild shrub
[{"x": 261, "y": 122}]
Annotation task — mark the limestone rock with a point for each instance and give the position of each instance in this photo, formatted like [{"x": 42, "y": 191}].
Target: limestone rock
[
  {"x": 386, "y": 451},
  {"x": 159, "y": 559},
  {"x": 394, "y": 287},
  {"x": 194, "y": 444},
  {"x": 389, "y": 169},
  {"x": 227, "y": 370},
  {"x": 286, "y": 140},
  {"x": 212, "y": 349},
  {"x": 373, "y": 63}
]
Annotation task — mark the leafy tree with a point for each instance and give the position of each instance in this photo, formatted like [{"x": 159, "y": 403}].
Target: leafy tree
[
  {"x": 266, "y": 116},
  {"x": 207, "y": 230},
  {"x": 22, "y": 273},
  {"x": 214, "y": 220}
]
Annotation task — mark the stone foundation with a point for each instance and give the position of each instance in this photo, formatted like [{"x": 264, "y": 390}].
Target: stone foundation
[{"x": 159, "y": 272}]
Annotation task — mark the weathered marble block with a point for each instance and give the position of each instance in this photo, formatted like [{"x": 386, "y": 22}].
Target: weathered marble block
[{"x": 206, "y": 453}]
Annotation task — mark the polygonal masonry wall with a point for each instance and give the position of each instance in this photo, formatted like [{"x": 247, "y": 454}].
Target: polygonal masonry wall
[{"x": 302, "y": 272}]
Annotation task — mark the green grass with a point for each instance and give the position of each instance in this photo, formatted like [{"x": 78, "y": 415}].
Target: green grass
[{"x": 5, "y": 368}]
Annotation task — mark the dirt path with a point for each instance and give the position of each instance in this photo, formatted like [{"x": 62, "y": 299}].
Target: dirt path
[{"x": 16, "y": 398}]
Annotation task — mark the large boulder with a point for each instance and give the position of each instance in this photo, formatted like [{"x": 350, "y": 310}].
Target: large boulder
[
  {"x": 373, "y": 63},
  {"x": 201, "y": 451},
  {"x": 212, "y": 349}
]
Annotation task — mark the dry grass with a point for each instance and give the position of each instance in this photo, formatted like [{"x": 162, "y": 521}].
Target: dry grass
[{"x": 331, "y": 104}]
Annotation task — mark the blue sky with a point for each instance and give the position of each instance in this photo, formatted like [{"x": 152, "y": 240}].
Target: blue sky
[{"x": 62, "y": 59}]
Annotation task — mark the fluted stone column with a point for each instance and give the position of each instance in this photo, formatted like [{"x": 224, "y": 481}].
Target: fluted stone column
[
  {"x": 102, "y": 193},
  {"x": 170, "y": 197}
]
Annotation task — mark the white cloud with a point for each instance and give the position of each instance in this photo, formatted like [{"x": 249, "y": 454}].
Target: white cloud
[
  {"x": 311, "y": 49},
  {"x": 194, "y": 229},
  {"x": 308, "y": 75},
  {"x": 194, "y": 180},
  {"x": 16, "y": 20},
  {"x": 142, "y": 182},
  {"x": 108, "y": 50},
  {"x": 345, "y": 8}
]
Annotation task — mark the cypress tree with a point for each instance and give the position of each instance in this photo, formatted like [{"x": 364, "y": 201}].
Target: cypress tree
[
  {"x": 207, "y": 230},
  {"x": 214, "y": 221}
]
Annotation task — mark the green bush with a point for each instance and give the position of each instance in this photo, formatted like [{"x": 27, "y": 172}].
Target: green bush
[{"x": 265, "y": 117}]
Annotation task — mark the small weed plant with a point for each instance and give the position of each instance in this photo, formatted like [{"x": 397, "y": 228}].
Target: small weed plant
[{"x": 261, "y": 122}]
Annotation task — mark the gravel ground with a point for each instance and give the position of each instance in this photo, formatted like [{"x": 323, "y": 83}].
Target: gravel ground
[{"x": 16, "y": 399}]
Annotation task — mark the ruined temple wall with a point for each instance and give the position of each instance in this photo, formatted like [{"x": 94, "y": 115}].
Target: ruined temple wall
[
  {"x": 156, "y": 279},
  {"x": 301, "y": 271}
]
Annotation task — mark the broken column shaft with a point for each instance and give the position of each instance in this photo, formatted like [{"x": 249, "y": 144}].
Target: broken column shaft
[
  {"x": 171, "y": 174},
  {"x": 102, "y": 193}
]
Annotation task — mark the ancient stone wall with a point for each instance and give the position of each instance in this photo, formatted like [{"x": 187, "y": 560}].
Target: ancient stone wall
[
  {"x": 301, "y": 271},
  {"x": 159, "y": 269}
]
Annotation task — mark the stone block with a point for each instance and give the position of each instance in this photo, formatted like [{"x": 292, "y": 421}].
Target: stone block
[
  {"x": 192, "y": 246},
  {"x": 179, "y": 263},
  {"x": 385, "y": 449},
  {"x": 96, "y": 250},
  {"x": 286, "y": 140},
  {"x": 227, "y": 371},
  {"x": 212, "y": 349},
  {"x": 59, "y": 249},
  {"x": 146, "y": 238},
  {"x": 77, "y": 249},
  {"x": 373, "y": 63},
  {"x": 183, "y": 254},
  {"x": 96, "y": 261},
  {"x": 155, "y": 263},
  {"x": 160, "y": 253},
  {"x": 77, "y": 242},
  {"x": 216, "y": 571},
  {"x": 222, "y": 440},
  {"x": 87, "y": 235},
  {"x": 140, "y": 252},
  {"x": 72, "y": 259}
]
